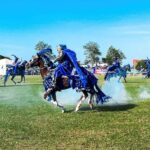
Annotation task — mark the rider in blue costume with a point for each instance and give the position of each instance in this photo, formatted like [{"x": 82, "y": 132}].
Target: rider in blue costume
[
  {"x": 67, "y": 61},
  {"x": 148, "y": 67},
  {"x": 114, "y": 66},
  {"x": 116, "y": 62},
  {"x": 15, "y": 64}
]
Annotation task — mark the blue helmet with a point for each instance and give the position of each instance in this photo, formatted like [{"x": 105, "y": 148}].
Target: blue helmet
[{"x": 62, "y": 46}]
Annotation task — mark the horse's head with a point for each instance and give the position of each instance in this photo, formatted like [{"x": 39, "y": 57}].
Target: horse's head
[
  {"x": 34, "y": 62},
  {"x": 37, "y": 61}
]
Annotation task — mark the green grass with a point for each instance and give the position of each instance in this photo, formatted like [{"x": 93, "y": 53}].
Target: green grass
[{"x": 28, "y": 123}]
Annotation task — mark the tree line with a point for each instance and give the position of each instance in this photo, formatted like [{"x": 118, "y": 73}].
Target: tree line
[{"x": 92, "y": 52}]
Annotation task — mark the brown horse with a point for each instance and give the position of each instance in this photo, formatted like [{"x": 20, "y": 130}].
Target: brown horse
[
  {"x": 38, "y": 62},
  {"x": 44, "y": 71}
]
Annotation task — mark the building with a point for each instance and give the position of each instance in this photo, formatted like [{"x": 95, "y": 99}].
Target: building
[
  {"x": 3, "y": 63},
  {"x": 135, "y": 62}
]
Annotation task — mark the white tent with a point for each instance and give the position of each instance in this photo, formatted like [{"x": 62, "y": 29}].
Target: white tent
[{"x": 3, "y": 63}]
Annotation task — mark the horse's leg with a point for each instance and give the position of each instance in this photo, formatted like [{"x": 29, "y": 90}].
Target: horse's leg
[
  {"x": 82, "y": 98},
  {"x": 79, "y": 103},
  {"x": 119, "y": 78},
  {"x": 125, "y": 80},
  {"x": 55, "y": 102},
  {"x": 12, "y": 79},
  {"x": 21, "y": 79},
  {"x": 24, "y": 79},
  {"x": 91, "y": 101}
]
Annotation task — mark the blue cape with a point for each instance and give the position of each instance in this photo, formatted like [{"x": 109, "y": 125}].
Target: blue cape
[{"x": 72, "y": 55}]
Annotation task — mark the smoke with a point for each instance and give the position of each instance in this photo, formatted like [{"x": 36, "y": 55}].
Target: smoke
[
  {"x": 112, "y": 88},
  {"x": 69, "y": 97},
  {"x": 119, "y": 95},
  {"x": 19, "y": 95},
  {"x": 66, "y": 97},
  {"x": 144, "y": 93},
  {"x": 117, "y": 91}
]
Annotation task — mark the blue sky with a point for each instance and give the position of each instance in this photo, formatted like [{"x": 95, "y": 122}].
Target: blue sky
[{"x": 125, "y": 25}]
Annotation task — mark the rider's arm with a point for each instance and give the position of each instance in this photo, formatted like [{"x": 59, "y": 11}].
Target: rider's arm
[{"x": 60, "y": 57}]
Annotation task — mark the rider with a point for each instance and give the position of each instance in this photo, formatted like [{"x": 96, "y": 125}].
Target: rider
[
  {"x": 148, "y": 67},
  {"x": 15, "y": 64},
  {"x": 45, "y": 54},
  {"x": 113, "y": 67},
  {"x": 64, "y": 67},
  {"x": 116, "y": 62},
  {"x": 66, "y": 62}
]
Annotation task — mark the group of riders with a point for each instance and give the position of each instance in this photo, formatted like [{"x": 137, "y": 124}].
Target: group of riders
[
  {"x": 68, "y": 73},
  {"x": 16, "y": 64}
]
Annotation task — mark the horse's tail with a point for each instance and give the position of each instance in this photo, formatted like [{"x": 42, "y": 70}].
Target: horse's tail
[
  {"x": 106, "y": 76},
  {"x": 101, "y": 97}
]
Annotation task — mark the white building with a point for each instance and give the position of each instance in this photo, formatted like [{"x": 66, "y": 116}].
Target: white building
[{"x": 3, "y": 63}]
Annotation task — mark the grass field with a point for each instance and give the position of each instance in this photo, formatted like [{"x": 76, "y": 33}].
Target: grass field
[{"x": 29, "y": 123}]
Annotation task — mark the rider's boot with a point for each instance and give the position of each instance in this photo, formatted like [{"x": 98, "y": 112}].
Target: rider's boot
[{"x": 56, "y": 83}]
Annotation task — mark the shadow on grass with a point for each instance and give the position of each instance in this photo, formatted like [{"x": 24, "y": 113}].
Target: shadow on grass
[
  {"x": 120, "y": 107},
  {"x": 17, "y": 85},
  {"x": 129, "y": 82}
]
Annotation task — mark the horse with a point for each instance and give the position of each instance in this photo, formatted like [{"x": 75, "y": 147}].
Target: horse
[
  {"x": 147, "y": 74},
  {"x": 67, "y": 82},
  {"x": 44, "y": 71},
  {"x": 123, "y": 72},
  {"x": 118, "y": 72},
  {"x": 20, "y": 71},
  {"x": 111, "y": 72}
]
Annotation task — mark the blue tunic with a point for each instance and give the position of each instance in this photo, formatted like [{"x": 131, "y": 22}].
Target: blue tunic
[
  {"x": 148, "y": 67},
  {"x": 67, "y": 64}
]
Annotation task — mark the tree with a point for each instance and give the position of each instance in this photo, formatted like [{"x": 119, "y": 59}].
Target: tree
[
  {"x": 92, "y": 52},
  {"x": 41, "y": 45},
  {"x": 113, "y": 53},
  {"x": 104, "y": 60},
  {"x": 141, "y": 65},
  {"x": 2, "y": 57}
]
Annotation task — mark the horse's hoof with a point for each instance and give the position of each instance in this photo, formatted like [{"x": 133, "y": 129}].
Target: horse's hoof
[
  {"x": 91, "y": 108},
  {"x": 63, "y": 111},
  {"x": 75, "y": 111},
  {"x": 45, "y": 95}
]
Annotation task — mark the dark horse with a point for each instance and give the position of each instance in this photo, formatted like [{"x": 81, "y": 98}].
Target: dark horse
[
  {"x": 20, "y": 71},
  {"x": 123, "y": 72},
  {"x": 66, "y": 83}
]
